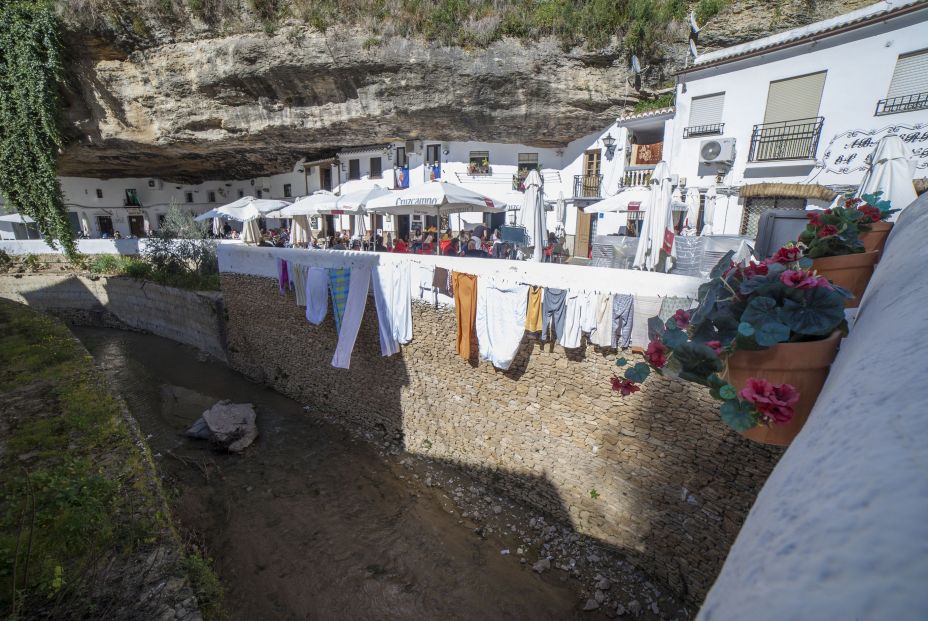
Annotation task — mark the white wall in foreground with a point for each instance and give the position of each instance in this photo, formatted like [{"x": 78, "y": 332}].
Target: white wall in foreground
[{"x": 840, "y": 530}]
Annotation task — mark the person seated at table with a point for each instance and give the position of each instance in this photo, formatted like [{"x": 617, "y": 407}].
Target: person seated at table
[
  {"x": 450, "y": 248},
  {"x": 378, "y": 244},
  {"x": 446, "y": 235},
  {"x": 474, "y": 250},
  {"x": 400, "y": 245}
]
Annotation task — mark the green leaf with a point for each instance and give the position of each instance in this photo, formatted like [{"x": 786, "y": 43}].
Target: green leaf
[
  {"x": 655, "y": 327},
  {"x": 693, "y": 362},
  {"x": 772, "y": 333},
  {"x": 760, "y": 310},
  {"x": 722, "y": 266},
  {"x": 805, "y": 263},
  {"x": 674, "y": 338},
  {"x": 638, "y": 373},
  {"x": 745, "y": 329},
  {"x": 620, "y": 361},
  {"x": 739, "y": 415},
  {"x": 728, "y": 392},
  {"x": 818, "y": 313}
]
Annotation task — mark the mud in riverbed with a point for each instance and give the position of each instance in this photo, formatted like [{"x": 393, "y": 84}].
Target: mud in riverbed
[{"x": 312, "y": 523}]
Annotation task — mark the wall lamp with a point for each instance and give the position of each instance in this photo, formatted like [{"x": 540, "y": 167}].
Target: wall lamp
[{"x": 609, "y": 143}]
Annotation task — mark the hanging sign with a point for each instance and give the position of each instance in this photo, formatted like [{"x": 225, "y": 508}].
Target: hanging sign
[
  {"x": 634, "y": 206},
  {"x": 667, "y": 246},
  {"x": 850, "y": 151}
]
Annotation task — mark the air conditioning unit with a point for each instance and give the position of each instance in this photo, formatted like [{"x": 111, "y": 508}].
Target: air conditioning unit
[{"x": 717, "y": 151}]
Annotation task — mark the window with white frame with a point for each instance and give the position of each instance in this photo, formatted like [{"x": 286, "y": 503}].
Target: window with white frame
[
  {"x": 528, "y": 161},
  {"x": 478, "y": 163},
  {"x": 908, "y": 89}
]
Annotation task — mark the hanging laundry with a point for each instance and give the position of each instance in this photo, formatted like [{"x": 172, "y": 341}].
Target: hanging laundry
[
  {"x": 670, "y": 304},
  {"x": 425, "y": 276},
  {"x": 500, "y": 322},
  {"x": 646, "y": 306},
  {"x": 573, "y": 314},
  {"x": 533, "y": 312},
  {"x": 441, "y": 280},
  {"x": 603, "y": 335},
  {"x": 394, "y": 316},
  {"x": 317, "y": 294},
  {"x": 623, "y": 318},
  {"x": 553, "y": 310},
  {"x": 465, "y": 310},
  {"x": 359, "y": 284},
  {"x": 299, "y": 283},
  {"x": 283, "y": 276},
  {"x": 339, "y": 280},
  {"x": 588, "y": 311}
]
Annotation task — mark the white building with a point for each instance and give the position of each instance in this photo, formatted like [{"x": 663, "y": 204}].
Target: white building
[{"x": 804, "y": 108}]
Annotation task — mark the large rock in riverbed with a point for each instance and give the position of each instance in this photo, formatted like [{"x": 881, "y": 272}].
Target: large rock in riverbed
[{"x": 230, "y": 426}]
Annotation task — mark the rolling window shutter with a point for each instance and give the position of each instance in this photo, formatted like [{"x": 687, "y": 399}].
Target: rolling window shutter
[
  {"x": 707, "y": 110},
  {"x": 795, "y": 98},
  {"x": 910, "y": 76}
]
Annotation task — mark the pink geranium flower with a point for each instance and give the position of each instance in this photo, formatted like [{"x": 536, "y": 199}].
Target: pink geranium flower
[
  {"x": 624, "y": 386},
  {"x": 786, "y": 254},
  {"x": 682, "y": 318},
  {"x": 656, "y": 354},
  {"x": 774, "y": 402},
  {"x": 715, "y": 346},
  {"x": 801, "y": 279}
]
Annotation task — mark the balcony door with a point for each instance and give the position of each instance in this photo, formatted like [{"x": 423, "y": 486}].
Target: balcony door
[{"x": 591, "y": 165}]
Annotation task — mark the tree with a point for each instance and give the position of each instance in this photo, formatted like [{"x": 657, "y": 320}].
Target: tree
[{"x": 30, "y": 130}]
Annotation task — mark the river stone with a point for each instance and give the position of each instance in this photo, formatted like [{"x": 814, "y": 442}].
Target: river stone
[{"x": 229, "y": 425}]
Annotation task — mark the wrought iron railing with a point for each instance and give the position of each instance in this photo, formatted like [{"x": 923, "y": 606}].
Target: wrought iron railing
[
  {"x": 785, "y": 140},
  {"x": 715, "y": 129},
  {"x": 903, "y": 103},
  {"x": 588, "y": 186}
]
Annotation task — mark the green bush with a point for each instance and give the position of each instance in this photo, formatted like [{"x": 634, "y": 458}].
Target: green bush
[
  {"x": 663, "y": 101},
  {"x": 205, "y": 584}
]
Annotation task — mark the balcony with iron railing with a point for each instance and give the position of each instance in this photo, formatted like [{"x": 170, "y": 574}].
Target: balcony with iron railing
[
  {"x": 715, "y": 129},
  {"x": 903, "y": 103},
  {"x": 785, "y": 140},
  {"x": 588, "y": 186}
]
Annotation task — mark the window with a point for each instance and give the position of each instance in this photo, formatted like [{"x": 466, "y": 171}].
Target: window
[
  {"x": 105, "y": 225},
  {"x": 241, "y": 193},
  {"x": 161, "y": 218},
  {"x": 188, "y": 197},
  {"x": 132, "y": 198},
  {"x": 433, "y": 155},
  {"x": 794, "y": 98},
  {"x": 527, "y": 161},
  {"x": 908, "y": 89},
  {"x": 259, "y": 194},
  {"x": 756, "y": 206},
  {"x": 211, "y": 197},
  {"x": 478, "y": 163},
  {"x": 354, "y": 169},
  {"x": 287, "y": 190},
  {"x": 376, "y": 168},
  {"x": 401, "y": 160},
  {"x": 705, "y": 116},
  {"x": 99, "y": 193}
]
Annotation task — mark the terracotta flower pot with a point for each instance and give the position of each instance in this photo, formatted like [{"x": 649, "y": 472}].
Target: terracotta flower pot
[
  {"x": 875, "y": 238},
  {"x": 851, "y": 271},
  {"x": 803, "y": 365}
]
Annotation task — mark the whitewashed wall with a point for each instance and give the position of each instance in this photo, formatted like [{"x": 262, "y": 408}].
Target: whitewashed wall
[{"x": 839, "y": 530}]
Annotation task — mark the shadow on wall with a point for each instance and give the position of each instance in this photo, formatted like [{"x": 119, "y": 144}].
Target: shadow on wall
[{"x": 672, "y": 484}]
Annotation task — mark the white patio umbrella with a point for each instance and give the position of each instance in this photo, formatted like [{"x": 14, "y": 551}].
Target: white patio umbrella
[
  {"x": 560, "y": 215},
  {"x": 251, "y": 234},
  {"x": 708, "y": 215},
  {"x": 300, "y": 234},
  {"x": 621, "y": 201},
  {"x": 312, "y": 205},
  {"x": 532, "y": 215},
  {"x": 692, "y": 211},
  {"x": 891, "y": 171},
  {"x": 217, "y": 226},
  {"x": 656, "y": 220},
  {"x": 356, "y": 202},
  {"x": 360, "y": 226},
  {"x": 17, "y": 218},
  {"x": 245, "y": 208}
]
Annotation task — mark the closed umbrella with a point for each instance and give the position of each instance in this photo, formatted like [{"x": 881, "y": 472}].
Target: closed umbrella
[
  {"x": 708, "y": 215},
  {"x": 560, "y": 216},
  {"x": 251, "y": 234},
  {"x": 360, "y": 226},
  {"x": 532, "y": 215},
  {"x": 692, "y": 211},
  {"x": 891, "y": 171},
  {"x": 655, "y": 234},
  {"x": 217, "y": 227}
]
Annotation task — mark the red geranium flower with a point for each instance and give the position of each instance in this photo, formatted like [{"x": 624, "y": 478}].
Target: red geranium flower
[
  {"x": 828, "y": 211},
  {"x": 624, "y": 386},
  {"x": 656, "y": 354},
  {"x": 801, "y": 279},
  {"x": 773, "y": 401},
  {"x": 753, "y": 269},
  {"x": 828, "y": 230},
  {"x": 815, "y": 218},
  {"x": 786, "y": 254},
  {"x": 682, "y": 318},
  {"x": 851, "y": 203},
  {"x": 870, "y": 214},
  {"x": 715, "y": 346}
]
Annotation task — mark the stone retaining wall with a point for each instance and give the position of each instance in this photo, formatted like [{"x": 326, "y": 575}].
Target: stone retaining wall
[
  {"x": 194, "y": 318},
  {"x": 672, "y": 483}
]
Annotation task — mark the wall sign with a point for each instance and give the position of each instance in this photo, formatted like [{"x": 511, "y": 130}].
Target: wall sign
[{"x": 849, "y": 151}]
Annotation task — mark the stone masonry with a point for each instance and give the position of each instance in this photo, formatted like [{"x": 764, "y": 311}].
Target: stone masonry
[{"x": 656, "y": 475}]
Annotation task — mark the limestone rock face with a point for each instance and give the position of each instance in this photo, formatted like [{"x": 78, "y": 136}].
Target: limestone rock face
[{"x": 188, "y": 103}]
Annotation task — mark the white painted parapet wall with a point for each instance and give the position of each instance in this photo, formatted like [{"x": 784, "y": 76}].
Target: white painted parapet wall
[
  {"x": 262, "y": 261},
  {"x": 840, "y": 529}
]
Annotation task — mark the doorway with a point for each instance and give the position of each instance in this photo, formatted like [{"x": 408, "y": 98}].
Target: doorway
[
  {"x": 591, "y": 177},
  {"x": 582, "y": 239},
  {"x": 137, "y": 226},
  {"x": 325, "y": 178},
  {"x": 105, "y": 226},
  {"x": 75, "y": 222}
]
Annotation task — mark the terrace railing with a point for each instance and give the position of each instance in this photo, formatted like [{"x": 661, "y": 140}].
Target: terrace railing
[
  {"x": 715, "y": 129},
  {"x": 786, "y": 140},
  {"x": 903, "y": 103},
  {"x": 637, "y": 175},
  {"x": 588, "y": 186}
]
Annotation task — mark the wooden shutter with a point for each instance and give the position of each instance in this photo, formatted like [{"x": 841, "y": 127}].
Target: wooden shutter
[
  {"x": 910, "y": 76},
  {"x": 707, "y": 110},
  {"x": 795, "y": 98}
]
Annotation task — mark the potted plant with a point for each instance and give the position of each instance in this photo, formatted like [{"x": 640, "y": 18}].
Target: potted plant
[
  {"x": 832, "y": 240},
  {"x": 874, "y": 222},
  {"x": 762, "y": 339}
]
